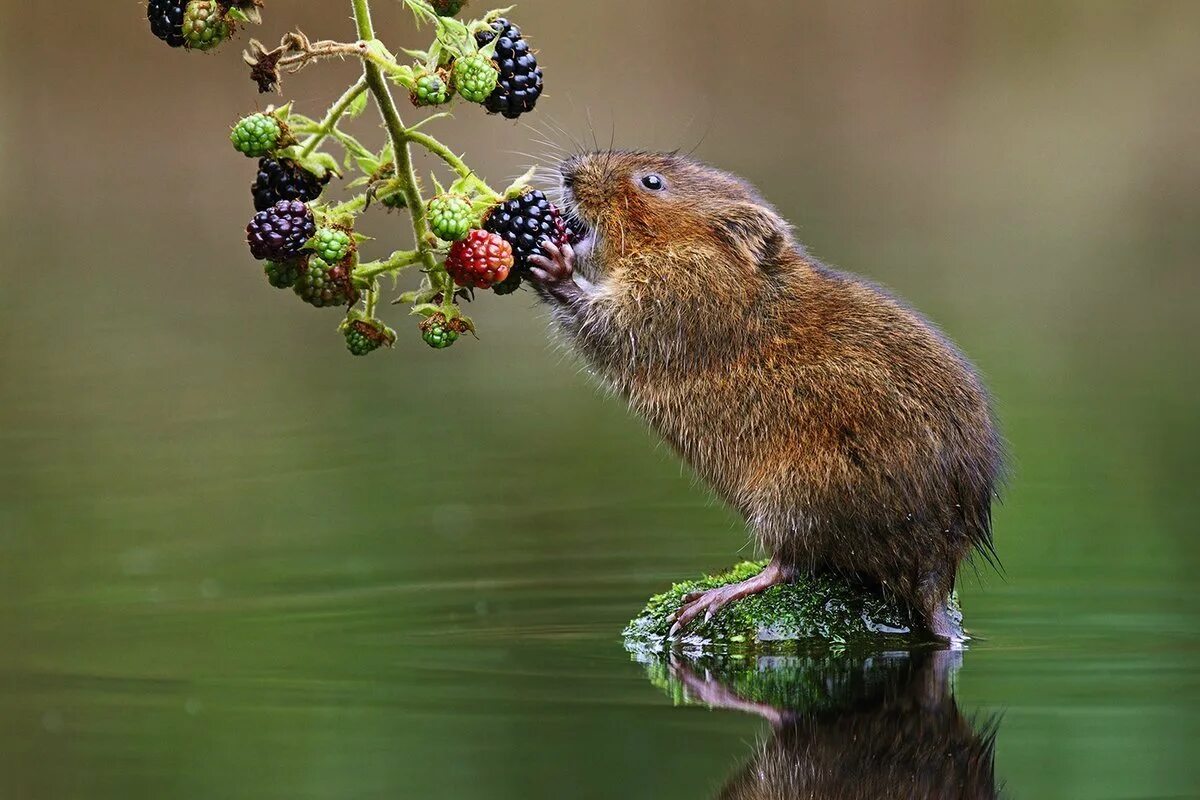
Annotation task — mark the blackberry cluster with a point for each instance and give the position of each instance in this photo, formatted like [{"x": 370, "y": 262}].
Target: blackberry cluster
[
  {"x": 524, "y": 222},
  {"x": 280, "y": 232},
  {"x": 520, "y": 83},
  {"x": 284, "y": 179},
  {"x": 166, "y": 20}
]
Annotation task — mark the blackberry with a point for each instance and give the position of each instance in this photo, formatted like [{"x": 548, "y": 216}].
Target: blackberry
[
  {"x": 509, "y": 284},
  {"x": 481, "y": 260},
  {"x": 367, "y": 335},
  {"x": 283, "y": 274},
  {"x": 284, "y": 179},
  {"x": 474, "y": 77},
  {"x": 323, "y": 284},
  {"x": 524, "y": 222},
  {"x": 280, "y": 232},
  {"x": 520, "y": 82},
  {"x": 166, "y": 20},
  {"x": 204, "y": 25}
]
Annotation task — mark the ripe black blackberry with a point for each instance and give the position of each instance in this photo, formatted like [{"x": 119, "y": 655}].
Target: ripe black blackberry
[
  {"x": 524, "y": 222},
  {"x": 280, "y": 232},
  {"x": 284, "y": 179},
  {"x": 520, "y": 83},
  {"x": 166, "y": 20}
]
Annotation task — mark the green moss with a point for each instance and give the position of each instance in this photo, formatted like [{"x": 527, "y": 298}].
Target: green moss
[
  {"x": 811, "y": 609},
  {"x": 796, "y": 683}
]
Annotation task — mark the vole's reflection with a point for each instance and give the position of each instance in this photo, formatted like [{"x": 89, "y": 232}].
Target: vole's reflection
[{"x": 884, "y": 727}]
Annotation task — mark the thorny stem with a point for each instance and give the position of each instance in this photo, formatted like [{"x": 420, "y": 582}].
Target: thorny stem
[
  {"x": 332, "y": 116},
  {"x": 396, "y": 261},
  {"x": 400, "y": 139}
]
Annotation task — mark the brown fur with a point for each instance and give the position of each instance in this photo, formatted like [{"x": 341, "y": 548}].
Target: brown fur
[{"x": 845, "y": 428}]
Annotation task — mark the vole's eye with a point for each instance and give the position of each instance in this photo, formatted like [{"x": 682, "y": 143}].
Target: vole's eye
[{"x": 654, "y": 182}]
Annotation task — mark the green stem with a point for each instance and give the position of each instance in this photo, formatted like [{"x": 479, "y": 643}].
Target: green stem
[
  {"x": 398, "y": 133},
  {"x": 332, "y": 116},
  {"x": 444, "y": 153},
  {"x": 369, "y": 271}
]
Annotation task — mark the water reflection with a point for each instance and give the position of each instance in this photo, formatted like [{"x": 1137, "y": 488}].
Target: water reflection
[{"x": 847, "y": 727}]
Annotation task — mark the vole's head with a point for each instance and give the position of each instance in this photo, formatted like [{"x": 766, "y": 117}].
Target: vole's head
[{"x": 639, "y": 202}]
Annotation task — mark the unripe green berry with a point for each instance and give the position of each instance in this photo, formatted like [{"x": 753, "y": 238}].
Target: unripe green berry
[
  {"x": 431, "y": 90},
  {"x": 450, "y": 216},
  {"x": 204, "y": 25},
  {"x": 322, "y": 284},
  {"x": 256, "y": 135},
  {"x": 438, "y": 332},
  {"x": 283, "y": 275},
  {"x": 364, "y": 336},
  {"x": 475, "y": 77},
  {"x": 331, "y": 244}
]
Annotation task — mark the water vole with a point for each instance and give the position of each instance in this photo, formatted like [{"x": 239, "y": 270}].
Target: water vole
[{"x": 850, "y": 434}]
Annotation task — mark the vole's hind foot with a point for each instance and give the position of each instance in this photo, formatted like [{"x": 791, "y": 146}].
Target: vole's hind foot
[
  {"x": 713, "y": 600},
  {"x": 715, "y": 694}
]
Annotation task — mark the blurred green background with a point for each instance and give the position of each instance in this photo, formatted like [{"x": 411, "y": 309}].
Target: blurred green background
[{"x": 236, "y": 562}]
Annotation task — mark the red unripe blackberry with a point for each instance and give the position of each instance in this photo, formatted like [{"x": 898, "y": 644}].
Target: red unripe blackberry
[
  {"x": 525, "y": 222},
  {"x": 166, "y": 20},
  {"x": 280, "y": 232},
  {"x": 480, "y": 260},
  {"x": 284, "y": 179},
  {"x": 520, "y": 83}
]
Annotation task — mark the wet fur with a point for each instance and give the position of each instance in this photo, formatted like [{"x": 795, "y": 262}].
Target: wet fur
[{"x": 845, "y": 428}]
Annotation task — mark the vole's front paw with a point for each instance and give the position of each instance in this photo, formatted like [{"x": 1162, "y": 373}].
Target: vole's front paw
[{"x": 554, "y": 273}]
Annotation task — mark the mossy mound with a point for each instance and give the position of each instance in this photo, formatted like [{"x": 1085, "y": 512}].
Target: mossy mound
[{"x": 809, "y": 610}]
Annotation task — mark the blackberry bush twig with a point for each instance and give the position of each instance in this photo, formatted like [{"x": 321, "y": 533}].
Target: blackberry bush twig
[{"x": 308, "y": 242}]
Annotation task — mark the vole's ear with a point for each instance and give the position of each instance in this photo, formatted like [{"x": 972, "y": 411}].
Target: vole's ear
[{"x": 758, "y": 231}]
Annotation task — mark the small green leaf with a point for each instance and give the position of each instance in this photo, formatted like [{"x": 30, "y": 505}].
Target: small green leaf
[
  {"x": 320, "y": 164},
  {"x": 368, "y": 165},
  {"x": 518, "y": 187}
]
